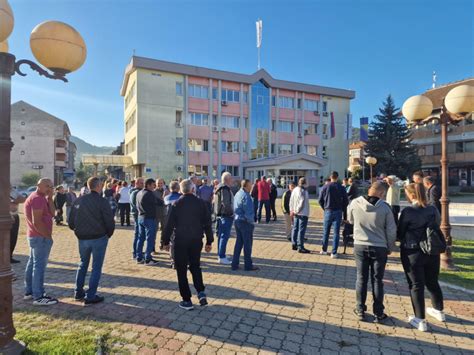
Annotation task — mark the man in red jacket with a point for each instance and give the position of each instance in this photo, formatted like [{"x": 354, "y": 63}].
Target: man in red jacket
[{"x": 263, "y": 199}]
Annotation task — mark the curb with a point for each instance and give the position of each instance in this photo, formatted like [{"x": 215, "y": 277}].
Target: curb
[{"x": 455, "y": 287}]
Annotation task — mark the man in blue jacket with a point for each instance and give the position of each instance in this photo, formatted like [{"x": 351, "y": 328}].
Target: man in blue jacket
[
  {"x": 333, "y": 200},
  {"x": 244, "y": 226}
]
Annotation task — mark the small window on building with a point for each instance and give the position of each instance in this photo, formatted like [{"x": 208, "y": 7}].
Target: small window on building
[
  {"x": 179, "y": 144},
  {"x": 260, "y": 100},
  {"x": 22, "y": 152},
  {"x": 325, "y": 106},
  {"x": 299, "y": 104},
  {"x": 179, "y": 118},
  {"x": 272, "y": 148},
  {"x": 23, "y": 137},
  {"x": 214, "y": 93},
  {"x": 273, "y": 100},
  {"x": 22, "y": 123},
  {"x": 179, "y": 89}
]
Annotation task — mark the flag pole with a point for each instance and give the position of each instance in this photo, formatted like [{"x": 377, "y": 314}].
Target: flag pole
[{"x": 259, "y": 40}]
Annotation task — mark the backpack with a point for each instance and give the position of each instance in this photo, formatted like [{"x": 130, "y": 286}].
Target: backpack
[
  {"x": 220, "y": 209},
  {"x": 435, "y": 243}
]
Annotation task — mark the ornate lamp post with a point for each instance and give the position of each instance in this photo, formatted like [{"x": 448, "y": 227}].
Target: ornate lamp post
[
  {"x": 61, "y": 49},
  {"x": 371, "y": 161},
  {"x": 458, "y": 103}
]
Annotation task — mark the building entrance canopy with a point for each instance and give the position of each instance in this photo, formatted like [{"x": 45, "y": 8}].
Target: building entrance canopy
[{"x": 107, "y": 160}]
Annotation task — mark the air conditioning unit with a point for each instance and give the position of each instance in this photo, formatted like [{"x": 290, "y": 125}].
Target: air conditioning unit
[
  {"x": 306, "y": 132},
  {"x": 224, "y": 103},
  {"x": 179, "y": 168},
  {"x": 325, "y": 136},
  {"x": 179, "y": 152},
  {"x": 325, "y": 114},
  {"x": 178, "y": 124},
  {"x": 316, "y": 113},
  {"x": 299, "y": 135},
  {"x": 437, "y": 131},
  {"x": 223, "y": 129},
  {"x": 215, "y": 129}
]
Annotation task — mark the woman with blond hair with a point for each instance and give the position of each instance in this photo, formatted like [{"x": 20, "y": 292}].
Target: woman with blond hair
[{"x": 421, "y": 269}]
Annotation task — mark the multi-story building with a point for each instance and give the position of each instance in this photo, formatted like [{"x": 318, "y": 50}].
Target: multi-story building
[
  {"x": 183, "y": 120},
  {"x": 460, "y": 141},
  {"x": 356, "y": 155},
  {"x": 41, "y": 145}
]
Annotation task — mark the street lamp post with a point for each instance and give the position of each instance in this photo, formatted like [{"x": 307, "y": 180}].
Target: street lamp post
[
  {"x": 457, "y": 105},
  {"x": 371, "y": 161},
  {"x": 61, "y": 49}
]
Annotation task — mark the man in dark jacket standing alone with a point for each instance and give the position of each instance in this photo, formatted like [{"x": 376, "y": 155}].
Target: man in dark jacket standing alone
[
  {"x": 433, "y": 192},
  {"x": 189, "y": 219},
  {"x": 224, "y": 210},
  {"x": 92, "y": 221},
  {"x": 273, "y": 197},
  {"x": 333, "y": 200}
]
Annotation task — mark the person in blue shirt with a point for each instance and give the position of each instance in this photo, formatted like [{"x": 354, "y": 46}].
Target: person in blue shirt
[{"x": 244, "y": 226}]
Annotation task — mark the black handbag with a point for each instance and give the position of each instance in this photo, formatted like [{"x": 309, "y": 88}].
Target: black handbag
[{"x": 435, "y": 243}]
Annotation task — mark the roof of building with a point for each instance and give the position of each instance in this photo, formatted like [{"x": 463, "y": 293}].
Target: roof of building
[
  {"x": 284, "y": 159},
  {"x": 46, "y": 115},
  {"x": 438, "y": 94},
  {"x": 262, "y": 74}
]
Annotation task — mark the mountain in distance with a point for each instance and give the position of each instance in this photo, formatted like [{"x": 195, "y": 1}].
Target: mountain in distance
[
  {"x": 355, "y": 135},
  {"x": 86, "y": 148}
]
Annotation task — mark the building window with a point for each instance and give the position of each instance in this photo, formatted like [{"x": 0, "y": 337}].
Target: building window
[
  {"x": 22, "y": 123},
  {"x": 131, "y": 146},
  {"x": 131, "y": 94},
  {"x": 198, "y": 145},
  {"x": 23, "y": 137},
  {"x": 298, "y": 148},
  {"x": 22, "y": 152},
  {"x": 214, "y": 93},
  {"x": 459, "y": 147},
  {"x": 233, "y": 170},
  {"x": 285, "y": 149},
  {"x": 299, "y": 103},
  {"x": 214, "y": 146},
  {"x": 246, "y": 122},
  {"x": 230, "y": 95},
  {"x": 131, "y": 121},
  {"x": 311, "y": 105},
  {"x": 273, "y": 125},
  {"x": 198, "y": 170},
  {"x": 244, "y": 147},
  {"x": 179, "y": 144},
  {"x": 179, "y": 118},
  {"x": 311, "y": 149},
  {"x": 260, "y": 100},
  {"x": 215, "y": 121},
  {"x": 246, "y": 97},
  {"x": 179, "y": 89},
  {"x": 198, "y": 119},
  {"x": 272, "y": 148},
  {"x": 230, "y": 147},
  {"x": 274, "y": 99},
  {"x": 286, "y": 102},
  {"x": 230, "y": 121},
  {"x": 469, "y": 148},
  {"x": 325, "y": 128},
  {"x": 310, "y": 128},
  {"x": 198, "y": 91},
  {"x": 325, "y": 106},
  {"x": 285, "y": 126},
  {"x": 324, "y": 151}
]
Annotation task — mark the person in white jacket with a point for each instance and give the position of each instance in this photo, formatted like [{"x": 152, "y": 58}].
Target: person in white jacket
[{"x": 299, "y": 210}]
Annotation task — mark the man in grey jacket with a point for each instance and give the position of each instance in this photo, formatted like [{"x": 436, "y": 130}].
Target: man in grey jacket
[{"x": 374, "y": 237}]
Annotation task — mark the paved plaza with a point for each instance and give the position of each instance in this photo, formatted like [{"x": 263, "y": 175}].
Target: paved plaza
[{"x": 295, "y": 303}]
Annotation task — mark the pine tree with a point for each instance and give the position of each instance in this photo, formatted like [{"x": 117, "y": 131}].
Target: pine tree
[{"x": 390, "y": 142}]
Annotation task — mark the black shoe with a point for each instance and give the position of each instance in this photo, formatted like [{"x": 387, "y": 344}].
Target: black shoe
[
  {"x": 289, "y": 238},
  {"x": 253, "y": 268},
  {"x": 303, "y": 251},
  {"x": 202, "y": 298},
  {"x": 380, "y": 318},
  {"x": 294, "y": 247},
  {"x": 151, "y": 262},
  {"x": 187, "y": 305},
  {"x": 79, "y": 297},
  {"x": 140, "y": 261},
  {"x": 14, "y": 261},
  {"x": 96, "y": 299},
  {"x": 360, "y": 315}
]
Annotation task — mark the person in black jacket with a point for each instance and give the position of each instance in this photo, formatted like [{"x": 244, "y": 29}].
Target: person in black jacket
[
  {"x": 285, "y": 207},
  {"x": 433, "y": 192},
  {"x": 59, "y": 201},
  {"x": 254, "y": 194},
  {"x": 273, "y": 197},
  {"x": 189, "y": 219},
  {"x": 420, "y": 269},
  {"x": 92, "y": 221}
]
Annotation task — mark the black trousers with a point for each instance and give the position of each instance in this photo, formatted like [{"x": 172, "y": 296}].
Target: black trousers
[
  {"x": 395, "y": 211},
  {"x": 14, "y": 233},
  {"x": 273, "y": 209},
  {"x": 184, "y": 256},
  {"x": 370, "y": 261},
  {"x": 124, "y": 213},
  {"x": 422, "y": 270}
]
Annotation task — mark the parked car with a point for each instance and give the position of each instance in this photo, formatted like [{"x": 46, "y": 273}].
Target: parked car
[{"x": 28, "y": 191}]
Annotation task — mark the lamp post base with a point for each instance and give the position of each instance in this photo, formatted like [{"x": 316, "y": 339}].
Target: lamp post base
[
  {"x": 15, "y": 347},
  {"x": 447, "y": 261}
]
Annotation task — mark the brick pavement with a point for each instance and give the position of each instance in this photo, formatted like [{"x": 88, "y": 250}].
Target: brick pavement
[{"x": 295, "y": 303}]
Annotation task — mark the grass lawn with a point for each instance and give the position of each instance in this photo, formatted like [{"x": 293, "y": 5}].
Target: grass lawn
[
  {"x": 463, "y": 254},
  {"x": 45, "y": 334}
]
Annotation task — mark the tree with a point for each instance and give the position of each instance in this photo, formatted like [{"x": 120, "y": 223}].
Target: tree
[
  {"x": 29, "y": 179},
  {"x": 390, "y": 142}
]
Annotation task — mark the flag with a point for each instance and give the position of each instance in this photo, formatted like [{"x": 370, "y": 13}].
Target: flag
[
  {"x": 333, "y": 126},
  {"x": 348, "y": 134},
  {"x": 364, "y": 129},
  {"x": 259, "y": 25}
]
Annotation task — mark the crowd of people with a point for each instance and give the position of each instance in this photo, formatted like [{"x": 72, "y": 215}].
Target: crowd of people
[{"x": 186, "y": 210}]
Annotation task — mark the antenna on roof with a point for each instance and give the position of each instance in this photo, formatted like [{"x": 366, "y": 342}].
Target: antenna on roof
[{"x": 433, "y": 85}]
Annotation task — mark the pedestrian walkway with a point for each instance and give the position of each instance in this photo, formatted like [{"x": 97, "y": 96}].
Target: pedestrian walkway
[{"x": 295, "y": 303}]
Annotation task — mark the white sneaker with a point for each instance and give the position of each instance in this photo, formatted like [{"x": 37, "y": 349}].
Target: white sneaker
[
  {"x": 439, "y": 315},
  {"x": 418, "y": 323},
  {"x": 322, "y": 252},
  {"x": 334, "y": 256},
  {"x": 224, "y": 261}
]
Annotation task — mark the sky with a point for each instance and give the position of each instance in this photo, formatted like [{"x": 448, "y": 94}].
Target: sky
[{"x": 375, "y": 47}]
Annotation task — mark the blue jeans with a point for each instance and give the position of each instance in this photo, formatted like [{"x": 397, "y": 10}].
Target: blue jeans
[
  {"x": 224, "y": 226},
  {"x": 40, "y": 248},
  {"x": 299, "y": 230},
  {"x": 255, "y": 208},
  {"x": 265, "y": 203},
  {"x": 147, "y": 231},
  {"x": 332, "y": 218},
  {"x": 136, "y": 236},
  {"x": 244, "y": 231},
  {"x": 96, "y": 248}
]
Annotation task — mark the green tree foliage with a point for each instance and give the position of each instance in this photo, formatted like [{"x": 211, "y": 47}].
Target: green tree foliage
[
  {"x": 390, "y": 142},
  {"x": 29, "y": 179}
]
